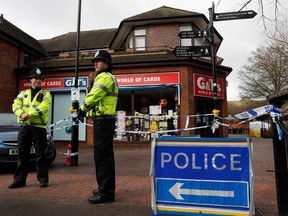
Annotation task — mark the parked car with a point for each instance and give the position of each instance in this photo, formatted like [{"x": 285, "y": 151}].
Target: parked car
[{"x": 8, "y": 142}]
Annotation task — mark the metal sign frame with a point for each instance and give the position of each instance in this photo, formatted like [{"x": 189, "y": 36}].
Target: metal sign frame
[{"x": 182, "y": 192}]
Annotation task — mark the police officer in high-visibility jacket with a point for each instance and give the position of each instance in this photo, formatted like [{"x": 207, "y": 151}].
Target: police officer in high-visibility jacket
[
  {"x": 31, "y": 107},
  {"x": 100, "y": 104}
]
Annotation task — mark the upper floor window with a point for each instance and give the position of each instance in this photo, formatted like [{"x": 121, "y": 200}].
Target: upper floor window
[
  {"x": 191, "y": 41},
  {"x": 137, "y": 39},
  {"x": 29, "y": 59},
  {"x": 186, "y": 41}
]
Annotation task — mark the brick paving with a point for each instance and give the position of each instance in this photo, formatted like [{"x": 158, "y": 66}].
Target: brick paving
[{"x": 70, "y": 187}]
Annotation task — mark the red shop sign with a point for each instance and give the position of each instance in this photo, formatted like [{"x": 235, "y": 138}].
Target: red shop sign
[
  {"x": 147, "y": 79},
  {"x": 203, "y": 86},
  {"x": 57, "y": 83}
]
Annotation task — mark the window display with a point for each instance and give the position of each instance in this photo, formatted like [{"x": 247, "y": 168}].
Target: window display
[{"x": 144, "y": 111}]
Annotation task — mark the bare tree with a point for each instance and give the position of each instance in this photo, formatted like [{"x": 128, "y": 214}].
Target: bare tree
[
  {"x": 279, "y": 33},
  {"x": 266, "y": 72}
]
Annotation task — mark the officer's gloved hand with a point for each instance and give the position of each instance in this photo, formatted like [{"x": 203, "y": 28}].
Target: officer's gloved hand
[{"x": 81, "y": 115}]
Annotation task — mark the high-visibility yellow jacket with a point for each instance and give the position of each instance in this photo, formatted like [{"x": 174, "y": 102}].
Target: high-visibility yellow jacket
[
  {"x": 102, "y": 98},
  {"x": 37, "y": 109}
]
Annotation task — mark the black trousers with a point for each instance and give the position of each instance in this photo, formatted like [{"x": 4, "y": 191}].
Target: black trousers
[
  {"x": 27, "y": 135},
  {"x": 104, "y": 156}
]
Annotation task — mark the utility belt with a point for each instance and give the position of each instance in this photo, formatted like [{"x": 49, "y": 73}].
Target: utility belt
[
  {"x": 104, "y": 117},
  {"x": 23, "y": 123},
  {"x": 32, "y": 124}
]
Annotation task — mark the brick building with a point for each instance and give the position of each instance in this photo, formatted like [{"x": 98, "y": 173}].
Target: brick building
[
  {"x": 144, "y": 64},
  {"x": 17, "y": 49}
]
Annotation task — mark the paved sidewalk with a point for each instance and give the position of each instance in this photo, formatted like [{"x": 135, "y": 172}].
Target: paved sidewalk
[{"x": 70, "y": 187}]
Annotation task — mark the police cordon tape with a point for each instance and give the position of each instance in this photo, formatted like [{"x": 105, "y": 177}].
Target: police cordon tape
[
  {"x": 68, "y": 154},
  {"x": 68, "y": 118},
  {"x": 244, "y": 116}
]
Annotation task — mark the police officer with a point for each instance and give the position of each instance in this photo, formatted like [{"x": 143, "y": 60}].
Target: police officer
[
  {"x": 31, "y": 107},
  {"x": 100, "y": 104}
]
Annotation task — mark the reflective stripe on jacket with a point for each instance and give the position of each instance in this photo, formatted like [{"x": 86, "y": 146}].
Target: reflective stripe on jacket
[
  {"x": 37, "y": 109},
  {"x": 102, "y": 98}
]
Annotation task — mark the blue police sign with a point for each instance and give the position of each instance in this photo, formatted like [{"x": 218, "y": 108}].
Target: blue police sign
[{"x": 202, "y": 173}]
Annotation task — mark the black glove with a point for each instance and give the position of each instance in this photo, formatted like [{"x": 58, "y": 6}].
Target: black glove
[{"x": 81, "y": 115}]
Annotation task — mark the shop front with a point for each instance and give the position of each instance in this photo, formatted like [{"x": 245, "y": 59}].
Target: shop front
[{"x": 148, "y": 102}]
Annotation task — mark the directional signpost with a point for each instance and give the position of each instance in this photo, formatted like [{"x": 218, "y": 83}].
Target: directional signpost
[
  {"x": 194, "y": 34},
  {"x": 209, "y": 51},
  {"x": 192, "y": 51},
  {"x": 205, "y": 176},
  {"x": 222, "y": 17},
  {"x": 234, "y": 15}
]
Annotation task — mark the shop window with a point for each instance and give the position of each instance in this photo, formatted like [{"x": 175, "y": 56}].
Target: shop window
[{"x": 145, "y": 103}]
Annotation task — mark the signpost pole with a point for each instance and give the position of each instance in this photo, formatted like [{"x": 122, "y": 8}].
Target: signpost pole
[
  {"x": 213, "y": 57},
  {"x": 75, "y": 103}
]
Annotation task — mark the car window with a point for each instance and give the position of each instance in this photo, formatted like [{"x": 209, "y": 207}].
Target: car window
[
  {"x": 8, "y": 122},
  {"x": 8, "y": 119}
]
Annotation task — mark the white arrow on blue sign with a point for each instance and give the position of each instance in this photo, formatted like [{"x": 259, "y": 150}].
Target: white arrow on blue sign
[
  {"x": 211, "y": 193},
  {"x": 177, "y": 192}
]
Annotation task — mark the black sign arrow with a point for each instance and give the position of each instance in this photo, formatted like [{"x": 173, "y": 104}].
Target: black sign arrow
[
  {"x": 194, "y": 34},
  {"x": 234, "y": 15},
  {"x": 192, "y": 51}
]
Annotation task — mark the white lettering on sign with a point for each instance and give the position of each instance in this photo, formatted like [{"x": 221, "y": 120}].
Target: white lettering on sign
[
  {"x": 27, "y": 84},
  {"x": 147, "y": 79},
  {"x": 71, "y": 82},
  {"x": 165, "y": 158},
  {"x": 125, "y": 80},
  {"x": 204, "y": 86},
  {"x": 207, "y": 85},
  {"x": 138, "y": 79},
  {"x": 151, "y": 79},
  {"x": 218, "y": 161},
  {"x": 54, "y": 83},
  {"x": 185, "y": 157},
  {"x": 234, "y": 162},
  {"x": 214, "y": 161}
]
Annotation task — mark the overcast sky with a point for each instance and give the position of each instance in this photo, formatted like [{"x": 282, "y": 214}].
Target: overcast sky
[{"x": 47, "y": 19}]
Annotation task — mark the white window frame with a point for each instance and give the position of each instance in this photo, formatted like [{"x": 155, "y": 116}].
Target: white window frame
[
  {"x": 186, "y": 41},
  {"x": 140, "y": 39},
  {"x": 191, "y": 41}
]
